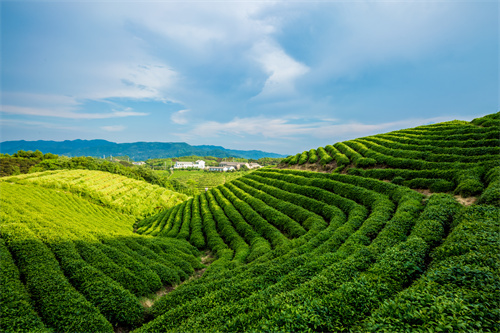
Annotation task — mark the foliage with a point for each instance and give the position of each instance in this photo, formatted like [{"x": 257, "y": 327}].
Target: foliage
[
  {"x": 294, "y": 250},
  {"x": 118, "y": 192},
  {"x": 78, "y": 264}
]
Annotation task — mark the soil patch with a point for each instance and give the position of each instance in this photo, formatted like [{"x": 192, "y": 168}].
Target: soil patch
[
  {"x": 424, "y": 191},
  {"x": 466, "y": 201}
]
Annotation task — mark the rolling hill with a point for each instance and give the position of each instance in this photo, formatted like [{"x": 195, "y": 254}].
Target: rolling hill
[
  {"x": 69, "y": 265},
  {"x": 121, "y": 193},
  {"x": 351, "y": 248}
]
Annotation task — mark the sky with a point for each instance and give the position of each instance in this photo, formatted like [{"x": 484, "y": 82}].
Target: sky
[{"x": 277, "y": 76}]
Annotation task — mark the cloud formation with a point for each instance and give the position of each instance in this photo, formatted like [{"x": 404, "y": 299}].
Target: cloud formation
[
  {"x": 66, "y": 113},
  {"x": 114, "y": 128},
  {"x": 258, "y": 72}
]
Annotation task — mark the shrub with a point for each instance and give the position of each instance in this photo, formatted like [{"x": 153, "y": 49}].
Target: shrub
[
  {"x": 442, "y": 186},
  {"x": 398, "y": 180}
]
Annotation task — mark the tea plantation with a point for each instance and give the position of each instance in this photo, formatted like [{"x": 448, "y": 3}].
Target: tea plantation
[
  {"x": 121, "y": 193},
  {"x": 352, "y": 249}
]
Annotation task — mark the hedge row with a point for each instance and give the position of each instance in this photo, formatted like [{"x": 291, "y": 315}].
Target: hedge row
[
  {"x": 289, "y": 227},
  {"x": 356, "y": 217},
  {"x": 174, "y": 316},
  {"x": 304, "y": 157},
  {"x": 177, "y": 221},
  {"x": 227, "y": 231},
  {"x": 459, "y": 291},
  {"x": 420, "y": 140},
  {"x": 429, "y": 148},
  {"x": 160, "y": 223},
  {"x": 16, "y": 307},
  {"x": 491, "y": 195},
  {"x": 169, "y": 223},
  {"x": 59, "y": 304},
  {"x": 118, "y": 305},
  {"x": 324, "y": 157},
  {"x": 340, "y": 158},
  {"x": 406, "y": 174},
  {"x": 403, "y": 163},
  {"x": 275, "y": 198},
  {"x": 258, "y": 244},
  {"x": 351, "y": 258},
  {"x": 196, "y": 224},
  {"x": 358, "y": 159},
  {"x": 313, "y": 156},
  {"x": 186, "y": 221},
  {"x": 389, "y": 150},
  {"x": 241, "y": 201}
]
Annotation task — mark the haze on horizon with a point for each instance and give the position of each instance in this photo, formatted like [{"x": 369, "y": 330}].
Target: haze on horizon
[{"x": 275, "y": 76}]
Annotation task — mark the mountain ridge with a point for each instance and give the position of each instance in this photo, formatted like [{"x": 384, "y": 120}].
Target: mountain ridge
[{"x": 136, "y": 150}]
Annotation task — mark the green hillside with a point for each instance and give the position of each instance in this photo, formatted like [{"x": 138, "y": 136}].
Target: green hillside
[
  {"x": 68, "y": 265},
  {"x": 121, "y": 193},
  {"x": 351, "y": 248},
  {"x": 454, "y": 156},
  {"x": 314, "y": 251}
]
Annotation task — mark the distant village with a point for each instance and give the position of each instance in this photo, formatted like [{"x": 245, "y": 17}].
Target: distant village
[{"x": 223, "y": 166}]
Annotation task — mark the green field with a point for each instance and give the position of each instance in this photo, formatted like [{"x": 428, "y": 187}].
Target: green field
[
  {"x": 353, "y": 248},
  {"x": 124, "y": 194},
  {"x": 200, "y": 179},
  {"x": 69, "y": 265}
]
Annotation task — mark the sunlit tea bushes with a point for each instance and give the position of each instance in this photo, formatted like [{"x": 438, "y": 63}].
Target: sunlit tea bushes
[
  {"x": 73, "y": 266},
  {"x": 118, "y": 192}
]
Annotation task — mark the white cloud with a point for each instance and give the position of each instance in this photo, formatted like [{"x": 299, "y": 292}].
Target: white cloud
[
  {"x": 65, "y": 112},
  {"x": 282, "y": 70},
  {"x": 180, "y": 117},
  {"x": 37, "y": 124},
  {"x": 113, "y": 128},
  {"x": 281, "y": 128}
]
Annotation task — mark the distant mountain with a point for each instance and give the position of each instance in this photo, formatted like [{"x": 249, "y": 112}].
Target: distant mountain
[{"x": 137, "y": 150}]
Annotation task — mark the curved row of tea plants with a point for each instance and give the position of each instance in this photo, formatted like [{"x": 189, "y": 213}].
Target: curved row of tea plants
[
  {"x": 124, "y": 194},
  {"x": 364, "y": 243},
  {"x": 68, "y": 265},
  {"x": 451, "y": 156}
]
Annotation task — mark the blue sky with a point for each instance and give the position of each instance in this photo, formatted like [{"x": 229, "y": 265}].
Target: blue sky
[{"x": 275, "y": 76}]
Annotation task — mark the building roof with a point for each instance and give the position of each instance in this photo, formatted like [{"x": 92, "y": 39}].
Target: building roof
[{"x": 231, "y": 163}]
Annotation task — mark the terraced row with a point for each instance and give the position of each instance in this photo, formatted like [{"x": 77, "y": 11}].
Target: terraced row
[
  {"x": 299, "y": 251},
  {"x": 452, "y": 156},
  {"x": 68, "y": 265},
  {"x": 124, "y": 194}
]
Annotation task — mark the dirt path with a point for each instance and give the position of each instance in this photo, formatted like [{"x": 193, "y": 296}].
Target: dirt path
[
  {"x": 147, "y": 302},
  {"x": 206, "y": 259}
]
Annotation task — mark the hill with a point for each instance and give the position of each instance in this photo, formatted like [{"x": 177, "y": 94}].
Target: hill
[
  {"x": 137, "y": 151},
  {"x": 313, "y": 251},
  {"x": 453, "y": 156},
  {"x": 69, "y": 265},
  {"x": 124, "y": 194},
  {"x": 295, "y": 250}
]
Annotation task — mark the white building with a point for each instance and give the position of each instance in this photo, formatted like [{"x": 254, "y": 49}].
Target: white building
[
  {"x": 238, "y": 165},
  {"x": 139, "y": 163},
  {"x": 200, "y": 164},
  {"x": 220, "y": 168}
]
